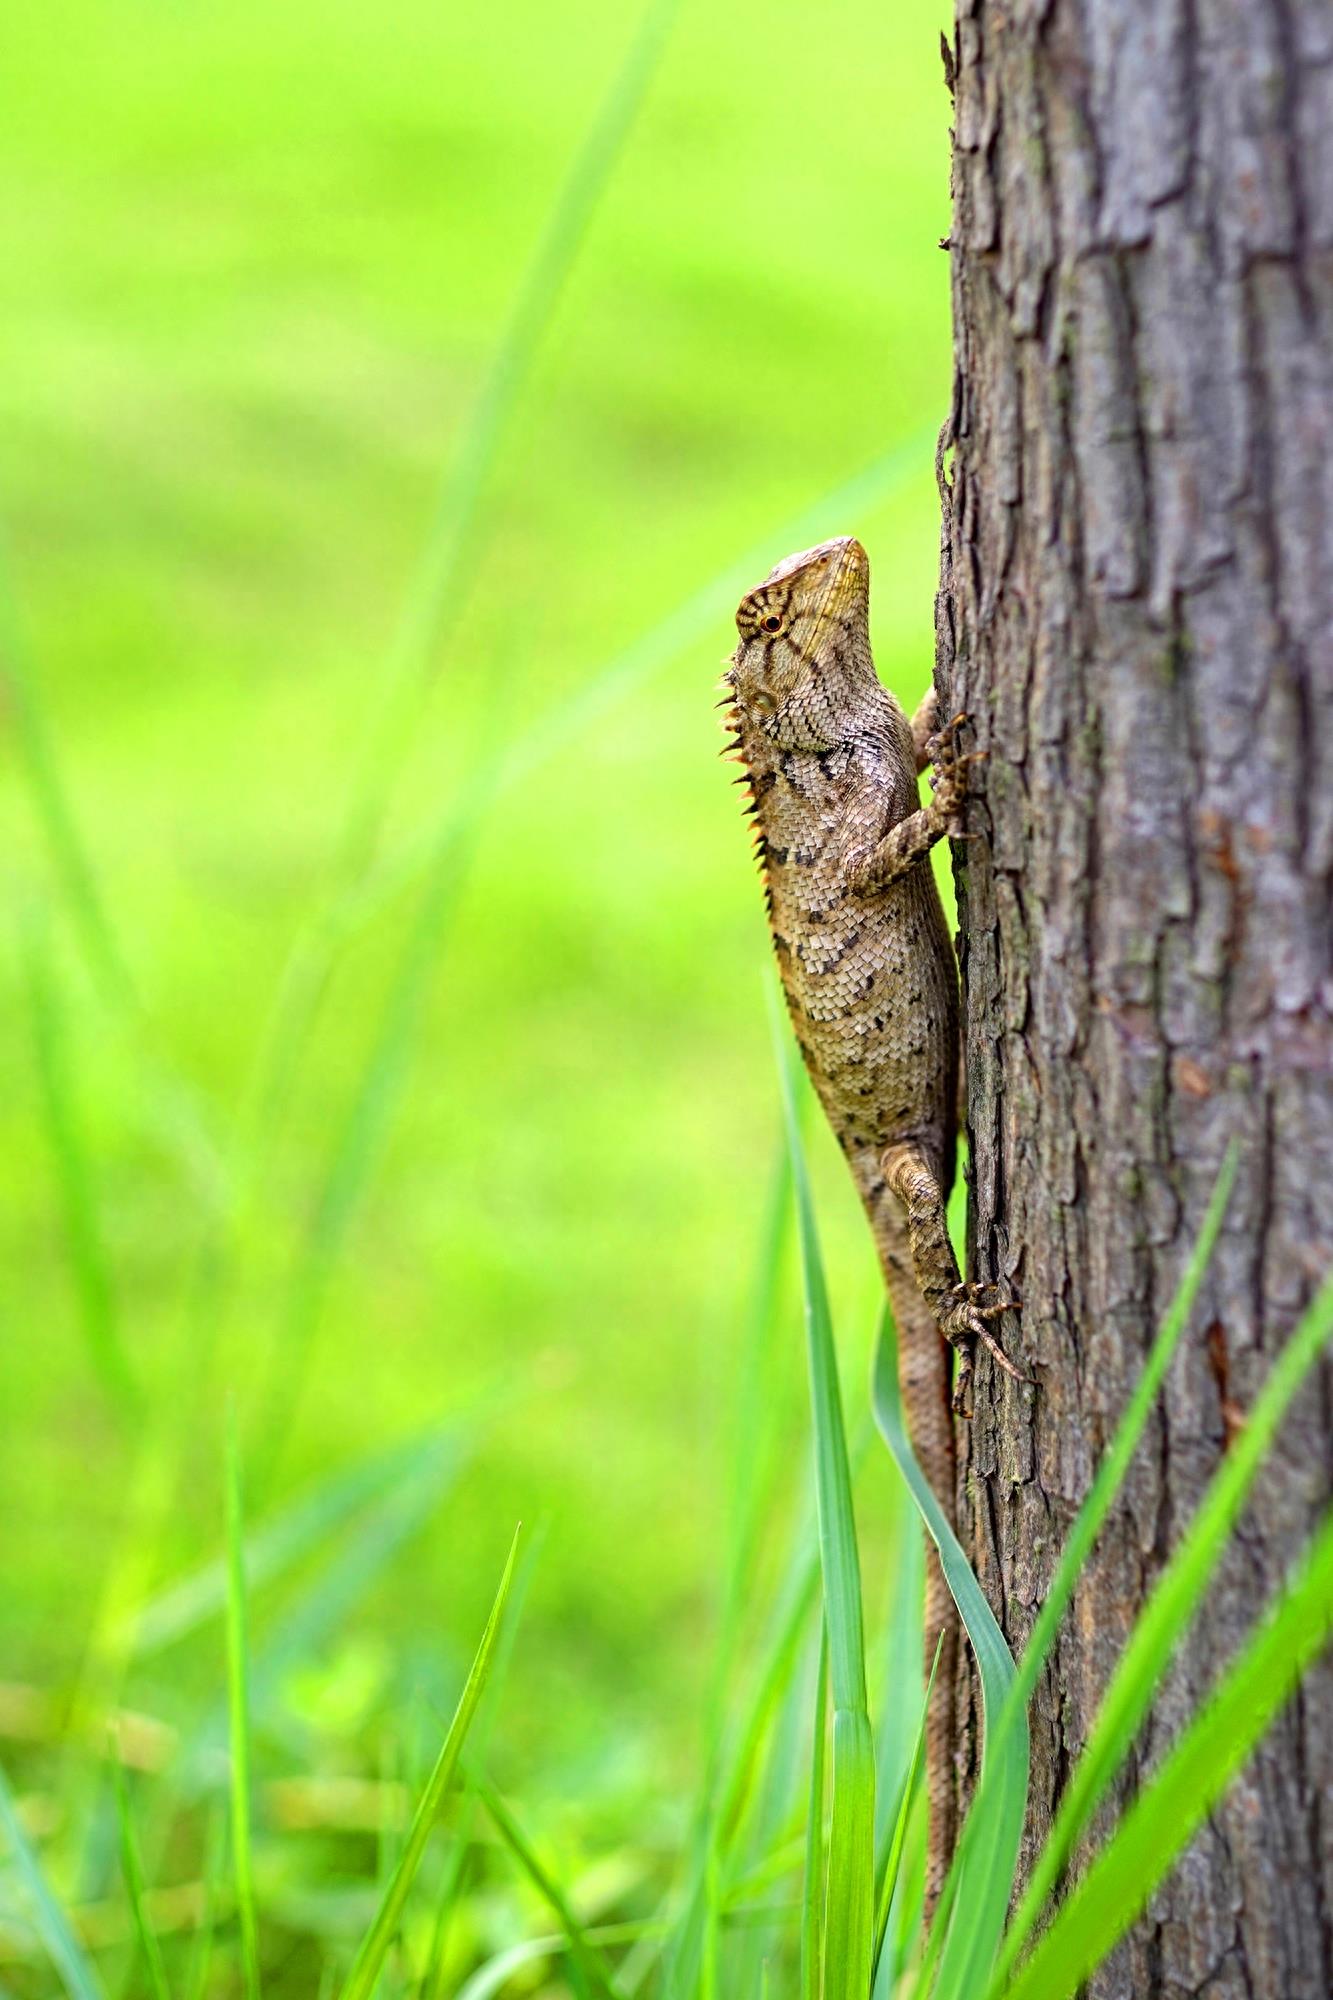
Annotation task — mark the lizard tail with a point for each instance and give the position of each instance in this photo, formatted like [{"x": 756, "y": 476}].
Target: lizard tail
[{"x": 923, "y": 1378}]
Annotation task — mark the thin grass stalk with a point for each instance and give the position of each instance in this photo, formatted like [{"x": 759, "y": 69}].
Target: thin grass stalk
[
  {"x": 793, "y": 1615},
  {"x": 435, "y": 1971},
  {"x": 76, "y": 1178},
  {"x": 1165, "y": 1617},
  {"x": 901, "y": 1819},
  {"x": 772, "y": 1867},
  {"x": 751, "y": 1427},
  {"x": 440, "y": 590},
  {"x": 812, "y": 1897},
  {"x": 291, "y": 1534},
  {"x": 594, "y": 1976},
  {"x": 374, "y": 1947},
  {"x": 850, "y": 1914},
  {"x": 710, "y": 1967},
  {"x": 176, "y": 1114},
  {"x": 131, "y": 1866},
  {"x": 70, "y": 855},
  {"x": 360, "y": 1137},
  {"x": 499, "y": 1971},
  {"x": 238, "y": 1708},
  {"x": 148, "y": 1493},
  {"x": 320, "y": 1607},
  {"x": 48, "y": 1916},
  {"x": 895, "y": 1713},
  {"x": 214, "y": 1860},
  {"x": 739, "y": 1769},
  {"x": 437, "y": 593}
]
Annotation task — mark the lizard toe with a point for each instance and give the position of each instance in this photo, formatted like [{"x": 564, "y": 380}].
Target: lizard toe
[{"x": 990, "y": 1300}]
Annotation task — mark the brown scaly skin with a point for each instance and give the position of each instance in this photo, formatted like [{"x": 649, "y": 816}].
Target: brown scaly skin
[{"x": 871, "y": 984}]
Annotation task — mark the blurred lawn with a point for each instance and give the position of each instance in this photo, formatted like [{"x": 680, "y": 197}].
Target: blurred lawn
[{"x": 254, "y": 263}]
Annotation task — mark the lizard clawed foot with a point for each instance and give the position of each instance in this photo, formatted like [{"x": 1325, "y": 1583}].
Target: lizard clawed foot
[
  {"x": 948, "y": 779},
  {"x": 946, "y": 733},
  {"x": 963, "y": 1323}
]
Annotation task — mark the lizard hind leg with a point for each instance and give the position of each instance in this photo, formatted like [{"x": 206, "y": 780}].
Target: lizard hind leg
[{"x": 960, "y": 1310}]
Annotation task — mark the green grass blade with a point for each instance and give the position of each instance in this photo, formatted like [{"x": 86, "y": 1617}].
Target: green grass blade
[
  {"x": 742, "y": 1765},
  {"x": 366, "y": 1966},
  {"x": 1166, "y": 1615},
  {"x": 850, "y": 1911},
  {"x": 769, "y": 1869},
  {"x": 69, "y": 852},
  {"x": 1184, "y": 1791},
  {"x": 907, "y": 1792},
  {"x": 174, "y": 1112},
  {"x": 238, "y": 1711},
  {"x": 895, "y": 1715},
  {"x": 201, "y": 1955},
  {"x": 594, "y": 1975},
  {"x": 435, "y": 601},
  {"x": 751, "y": 1427},
  {"x": 440, "y": 589},
  {"x": 131, "y": 1866},
  {"x": 497, "y": 1973},
  {"x": 319, "y": 1610},
  {"x": 812, "y": 1894},
  {"x": 359, "y": 1140},
  {"x": 432, "y": 1984},
  {"x": 740, "y": 1775},
  {"x": 296, "y": 1531},
  {"x": 75, "y": 1178},
  {"x": 1107, "y": 1483},
  {"x": 654, "y": 650},
  {"x": 51, "y": 1923},
  {"x": 990, "y": 1875}
]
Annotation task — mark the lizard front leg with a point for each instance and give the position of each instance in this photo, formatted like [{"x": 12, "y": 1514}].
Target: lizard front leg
[
  {"x": 901, "y": 849},
  {"x": 907, "y": 843},
  {"x": 960, "y": 1310}
]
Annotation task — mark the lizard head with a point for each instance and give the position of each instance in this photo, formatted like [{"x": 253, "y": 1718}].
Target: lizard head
[{"x": 804, "y": 646}]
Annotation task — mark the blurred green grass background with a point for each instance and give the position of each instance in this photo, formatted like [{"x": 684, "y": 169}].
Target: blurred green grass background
[{"x": 256, "y": 264}]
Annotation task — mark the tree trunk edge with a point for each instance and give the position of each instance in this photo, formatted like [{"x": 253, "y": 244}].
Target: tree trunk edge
[{"x": 1136, "y": 612}]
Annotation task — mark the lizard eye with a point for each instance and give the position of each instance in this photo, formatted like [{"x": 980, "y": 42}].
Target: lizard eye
[
  {"x": 765, "y": 703},
  {"x": 771, "y": 622}
]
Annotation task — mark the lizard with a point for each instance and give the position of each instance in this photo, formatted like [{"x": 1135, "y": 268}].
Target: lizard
[{"x": 830, "y": 764}]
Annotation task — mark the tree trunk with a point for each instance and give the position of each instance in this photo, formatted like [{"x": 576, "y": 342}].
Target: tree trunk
[{"x": 1136, "y": 610}]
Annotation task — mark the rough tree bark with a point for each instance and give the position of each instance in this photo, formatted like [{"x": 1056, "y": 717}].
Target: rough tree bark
[{"x": 1136, "y": 610}]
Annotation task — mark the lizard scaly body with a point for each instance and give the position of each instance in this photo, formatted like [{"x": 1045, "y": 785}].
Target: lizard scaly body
[{"x": 868, "y": 969}]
